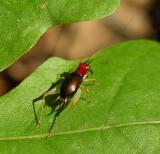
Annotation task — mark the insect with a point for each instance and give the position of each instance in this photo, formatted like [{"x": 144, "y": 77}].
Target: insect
[{"x": 67, "y": 90}]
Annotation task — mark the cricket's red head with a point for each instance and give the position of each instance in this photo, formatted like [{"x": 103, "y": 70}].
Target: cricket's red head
[{"x": 83, "y": 69}]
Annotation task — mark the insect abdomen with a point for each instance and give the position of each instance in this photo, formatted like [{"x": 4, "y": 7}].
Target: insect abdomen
[{"x": 70, "y": 85}]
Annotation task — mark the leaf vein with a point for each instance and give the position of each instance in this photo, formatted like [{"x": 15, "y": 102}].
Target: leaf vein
[{"x": 100, "y": 128}]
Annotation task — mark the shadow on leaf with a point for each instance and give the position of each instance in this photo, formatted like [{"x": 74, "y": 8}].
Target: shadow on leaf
[{"x": 51, "y": 98}]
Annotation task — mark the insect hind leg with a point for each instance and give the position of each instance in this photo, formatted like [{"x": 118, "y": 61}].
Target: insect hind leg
[
  {"x": 51, "y": 91},
  {"x": 62, "y": 106}
]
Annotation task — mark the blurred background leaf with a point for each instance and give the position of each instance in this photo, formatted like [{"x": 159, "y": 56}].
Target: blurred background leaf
[
  {"x": 122, "y": 116},
  {"x": 23, "y": 22}
]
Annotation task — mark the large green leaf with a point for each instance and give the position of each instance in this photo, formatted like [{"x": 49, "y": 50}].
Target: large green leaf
[
  {"x": 123, "y": 115},
  {"x": 22, "y": 22}
]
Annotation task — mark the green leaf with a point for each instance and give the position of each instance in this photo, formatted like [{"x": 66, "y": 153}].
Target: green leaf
[
  {"x": 23, "y": 22},
  {"x": 122, "y": 116}
]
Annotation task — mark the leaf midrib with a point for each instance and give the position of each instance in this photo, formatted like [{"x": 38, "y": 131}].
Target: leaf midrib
[{"x": 42, "y": 136}]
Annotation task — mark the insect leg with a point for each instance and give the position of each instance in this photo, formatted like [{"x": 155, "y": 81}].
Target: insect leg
[
  {"x": 50, "y": 92},
  {"x": 90, "y": 80},
  {"x": 75, "y": 98},
  {"x": 85, "y": 88},
  {"x": 35, "y": 115},
  {"x": 58, "y": 111},
  {"x": 74, "y": 101}
]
